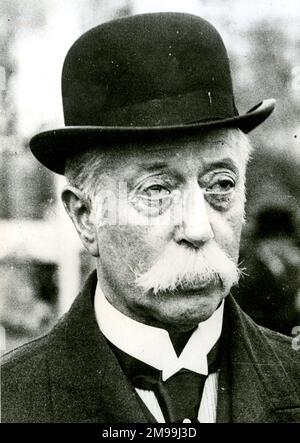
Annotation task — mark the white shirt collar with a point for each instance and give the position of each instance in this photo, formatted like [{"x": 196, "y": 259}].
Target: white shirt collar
[{"x": 152, "y": 345}]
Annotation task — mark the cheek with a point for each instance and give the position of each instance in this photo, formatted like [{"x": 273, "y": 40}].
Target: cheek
[
  {"x": 132, "y": 240},
  {"x": 129, "y": 247},
  {"x": 145, "y": 237},
  {"x": 117, "y": 243},
  {"x": 227, "y": 230}
]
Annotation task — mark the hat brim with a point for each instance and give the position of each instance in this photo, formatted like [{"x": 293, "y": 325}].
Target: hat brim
[{"x": 53, "y": 147}]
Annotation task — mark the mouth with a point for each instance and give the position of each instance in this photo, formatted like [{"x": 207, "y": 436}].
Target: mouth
[
  {"x": 187, "y": 291},
  {"x": 194, "y": 290}
]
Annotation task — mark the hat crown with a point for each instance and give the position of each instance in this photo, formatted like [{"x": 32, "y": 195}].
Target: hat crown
[
  {"x": 142, "y": 77},
  {"x": 147, "y": 70}
]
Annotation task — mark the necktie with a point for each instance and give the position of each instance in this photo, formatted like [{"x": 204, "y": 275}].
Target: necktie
[{"x": 179, "y": 397}]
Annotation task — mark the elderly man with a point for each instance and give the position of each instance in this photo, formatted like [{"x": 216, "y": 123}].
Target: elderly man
[{"x": 155, "y": 155}]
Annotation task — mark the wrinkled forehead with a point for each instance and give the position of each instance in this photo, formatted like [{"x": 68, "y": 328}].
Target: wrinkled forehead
[{"x": 202, "y": 148}]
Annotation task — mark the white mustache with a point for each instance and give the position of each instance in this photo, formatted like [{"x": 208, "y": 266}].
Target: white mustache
[{"x": 180, "y": 267}]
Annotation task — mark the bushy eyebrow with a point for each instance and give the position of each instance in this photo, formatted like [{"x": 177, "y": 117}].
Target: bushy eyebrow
[
  {"x": 153, "y": 166},
  {"x": 208, "y": 164},
  {"x": 225, "y": 163}
]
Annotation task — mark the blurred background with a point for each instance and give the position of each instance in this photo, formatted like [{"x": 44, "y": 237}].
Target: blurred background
[{"x": 42, "y": 265}]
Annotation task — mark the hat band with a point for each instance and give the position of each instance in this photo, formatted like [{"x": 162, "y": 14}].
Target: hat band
[{"x": 176, "y": 110}]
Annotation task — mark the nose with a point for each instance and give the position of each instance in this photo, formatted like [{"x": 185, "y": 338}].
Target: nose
[{"x": 194, "y": 228}]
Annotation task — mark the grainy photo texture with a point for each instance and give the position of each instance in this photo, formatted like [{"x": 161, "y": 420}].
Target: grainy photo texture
[{"x": 149, "y": 211}]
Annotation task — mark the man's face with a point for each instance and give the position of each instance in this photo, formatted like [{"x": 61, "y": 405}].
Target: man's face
[{"x": 168, "y": 249}]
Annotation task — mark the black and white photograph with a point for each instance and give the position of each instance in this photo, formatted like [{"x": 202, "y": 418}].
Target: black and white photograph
[{"x": 150, "y": 213}]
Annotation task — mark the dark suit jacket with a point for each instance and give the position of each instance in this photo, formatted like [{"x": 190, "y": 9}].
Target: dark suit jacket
[{"x": 71, "y": 374}]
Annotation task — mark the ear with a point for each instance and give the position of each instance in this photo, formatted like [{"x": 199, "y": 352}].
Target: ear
[{"x": 78, "y": 208}]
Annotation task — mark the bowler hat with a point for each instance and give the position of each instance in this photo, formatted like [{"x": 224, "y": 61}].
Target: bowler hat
[{"x": 141, "y": 76}]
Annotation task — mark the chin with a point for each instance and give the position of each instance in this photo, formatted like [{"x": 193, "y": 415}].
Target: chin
[{"x": 186, "y": 310}]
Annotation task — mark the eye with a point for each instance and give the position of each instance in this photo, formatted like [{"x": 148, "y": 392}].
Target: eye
[
  {"x": 221, "y": 186},
  {"x": 155, "y": 192},
  {"x": 219, "y": 190},
  {"x": 152, "y": 199}
]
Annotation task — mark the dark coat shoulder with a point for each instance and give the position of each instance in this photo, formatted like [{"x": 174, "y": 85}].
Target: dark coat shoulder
[
  {"x": 71, "y": 374},
  {"x": 25, "y": 383}
]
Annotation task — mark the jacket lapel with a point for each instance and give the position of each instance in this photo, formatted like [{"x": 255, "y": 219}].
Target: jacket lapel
[
  {"x": 87, "y": 383},
  {"x": 261, "y": 390}
]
